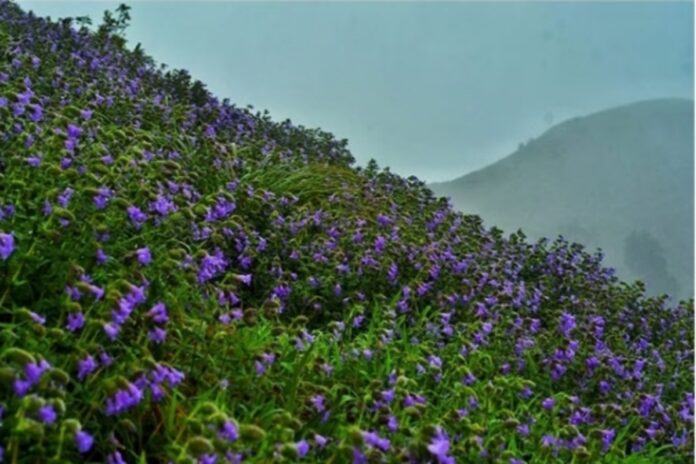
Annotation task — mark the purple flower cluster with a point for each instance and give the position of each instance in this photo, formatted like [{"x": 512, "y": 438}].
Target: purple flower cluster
[
  {"x": 33, "y": 371},
  {"x": 126, "y": 305},
  {"x": 211, "y": 266},
  {"x": 7, "y": 245}
]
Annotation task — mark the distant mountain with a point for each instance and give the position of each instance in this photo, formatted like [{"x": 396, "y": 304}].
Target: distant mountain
[{"x": 620, "y": 179}]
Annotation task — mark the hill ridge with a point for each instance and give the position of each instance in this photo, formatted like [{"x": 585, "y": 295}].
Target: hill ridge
[
  {"x": 617, "y": 159},
  {"x": 564, "y": 123}
]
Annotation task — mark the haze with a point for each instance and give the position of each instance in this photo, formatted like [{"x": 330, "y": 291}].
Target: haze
[{"x": 429, "y": 89}]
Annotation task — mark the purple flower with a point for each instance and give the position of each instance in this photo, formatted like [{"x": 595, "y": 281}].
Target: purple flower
[
  {"x": 123, "y": 400},
  {"x": 320, "y": 440},
  {"x": 302, "y": 448},
  {"x": 86, "y": 366},
  {"x": 112, "y": 330},
  {"x": 162, "y": 205},
  {"x": 207, "y": 459},
  {"x": 102, "y": 197},
  {"x": 393, "y": 273},
  {"x": 47, "y": 208},
  {"x": 567, "y": 323},
  {"x": 21, "y": 387},
  {"x": 682, "y": 440},
  {"x": 548, "y": 403},
  {"x": 115, "y": 458},
  {"x": 211, "y": 266},
  {"x": 33, "y": 371},
  {"x": 7, "y": 245},
  {"x": 158, "y": 313},
  {"x": 64, "y": 198},
  {"x": 126, "y": 305},
  {"x": 47, "y": 414},
  {"x": 282, "y": 291},
  {"x": 157, "y": 392},
  {"x": 164, "y": 373},
  {"x": 98, "y": 292},
  {"x": 7, "y": 211},
  {"x": 84, "y": 441},
  {"x": 439, "y": 446},
  {"x": 638, "y": 368},
  {"x": 105, "y": 359},
  {"x": 137, "y": 216},
  {"x": 18, "y": 109},
  {"x": 86, "y": 114},
  {"x": 37, "y": 113},
  {"x": 523, "y": 430},
  {"x": 548, "y": 441},
  {"x": 34, "y": 161},
  {"x": 157, "y": 335},
  {"x": 435, "y": 361},
  {"x": 144, "y": 256},
  {"x": 25, "y": 97},
  {"x": 222, "y": 209},
  {"x": 392, "y": 423},
  {"x": 75, "y": 322},
  {"x": 608, "y": 436},
  {"x": 592, "y": 363},
  {"x": 647, "y": 404},
  {"x": 38, "y": 318},
  {"x": 375, "y": 441},
  {"x": 358, "y": 456},
  {"x": 260, "y": 368},
  {"x": 526, "y": 393},
  {"x": 70, "y": 146},
  {"x": 229, "y": 431},
  {"x": 73, "y": 292},
  {"x": 380, "y": 243},
  {"x": 318, "y": 402},
  {"x": 74, "y": 131}
]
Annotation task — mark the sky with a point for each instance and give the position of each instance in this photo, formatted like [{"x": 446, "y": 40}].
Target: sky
[{"x": 431, "y": 89}]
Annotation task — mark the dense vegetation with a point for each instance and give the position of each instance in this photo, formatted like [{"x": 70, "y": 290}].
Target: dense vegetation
[
  {"x": 184, "y": 280},
  {"x": 621, "y": 180}
]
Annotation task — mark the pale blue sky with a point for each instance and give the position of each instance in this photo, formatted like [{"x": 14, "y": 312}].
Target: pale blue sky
[{"x": 430, "y": 89}]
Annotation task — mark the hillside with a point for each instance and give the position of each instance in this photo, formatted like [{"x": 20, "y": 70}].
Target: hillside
[
  {"x": 620, "y": 180},
  {"x": 183, "y": 280}
]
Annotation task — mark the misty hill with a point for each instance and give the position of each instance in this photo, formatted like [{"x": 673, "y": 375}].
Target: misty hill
[{"x": 620, "y": 179}]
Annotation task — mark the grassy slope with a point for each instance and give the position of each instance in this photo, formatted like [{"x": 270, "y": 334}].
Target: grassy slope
[{"x": 355, "y": 348}]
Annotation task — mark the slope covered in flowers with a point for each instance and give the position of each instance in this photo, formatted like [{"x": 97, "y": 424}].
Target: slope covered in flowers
[{"x": 182, "y": 280}]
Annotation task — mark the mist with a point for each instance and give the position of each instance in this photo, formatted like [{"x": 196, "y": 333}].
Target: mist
[{"x": 435, "y": 90}]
